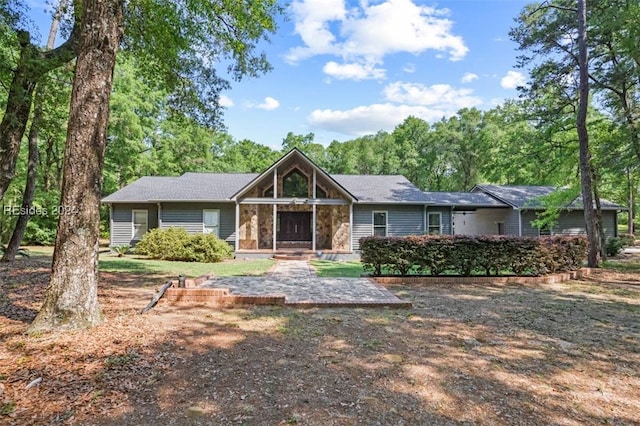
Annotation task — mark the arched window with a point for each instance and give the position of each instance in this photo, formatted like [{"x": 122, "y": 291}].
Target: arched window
[{"x": 295, "y": 184}]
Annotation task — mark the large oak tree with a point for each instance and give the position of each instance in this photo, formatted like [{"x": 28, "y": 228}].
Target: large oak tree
[{"x": 184, "y": 41}]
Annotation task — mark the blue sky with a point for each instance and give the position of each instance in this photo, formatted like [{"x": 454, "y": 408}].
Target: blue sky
[{"x": 344, "y": 68}]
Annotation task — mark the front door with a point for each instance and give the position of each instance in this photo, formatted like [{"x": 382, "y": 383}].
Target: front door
[{"x": 294, "y": 226}]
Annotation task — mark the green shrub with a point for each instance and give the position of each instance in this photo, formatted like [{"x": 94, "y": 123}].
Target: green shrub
[
  {"x": 614, "y": 246},
  {"x": 38, "y": 235},
  {"x": 121, "y": 250},
  {"x": 208, "y": 248},
  {"x": 628, "y": 240},
  {"x": 472, "y": 255},
  {"x": 178, "y": 244}
]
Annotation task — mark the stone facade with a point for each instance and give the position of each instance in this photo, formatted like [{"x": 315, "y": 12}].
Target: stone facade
[
  {"x": 265, "y": 220},
  {"x": 248, "y": 230},
  {"x": 256, "y": 220},
  {"x": 340, "y": 228}
]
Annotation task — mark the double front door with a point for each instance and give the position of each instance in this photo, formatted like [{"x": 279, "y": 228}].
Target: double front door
[{"x": 294, "y": 226}]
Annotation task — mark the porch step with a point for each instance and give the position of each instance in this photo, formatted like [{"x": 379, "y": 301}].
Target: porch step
[{"x": 290, "y": 255}]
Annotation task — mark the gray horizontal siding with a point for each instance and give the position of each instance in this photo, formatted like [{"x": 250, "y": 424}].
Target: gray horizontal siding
[
  {"x": 512, "y": 223},
  {"x": 610, "y": 223},
  {"x": 122, "y": 221},
  {"x": 570, "y": 223},
  {"x": 528, "y": 230},
  {"x": 401, "y": 220},
  {"x": 189, "y": 217}
]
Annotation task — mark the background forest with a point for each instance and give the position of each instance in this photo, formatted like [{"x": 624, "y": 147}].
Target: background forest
[{"x": 530, "y": 141}]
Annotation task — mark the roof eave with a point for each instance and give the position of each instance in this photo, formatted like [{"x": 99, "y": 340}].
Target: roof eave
[{"x": 491, "y": 194}]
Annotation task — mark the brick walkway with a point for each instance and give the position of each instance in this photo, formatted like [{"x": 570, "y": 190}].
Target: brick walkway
[{"x": 297, "y": 281}]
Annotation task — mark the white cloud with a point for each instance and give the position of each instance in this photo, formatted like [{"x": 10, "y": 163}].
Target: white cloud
[
  {"x": 468, "y": 77},
  {"x": 437, "y": 94},
  {"x": 353, "y": 71},
  {"x": 312, "y": 18},
  {"x": 512, "y": 80},
  {"x": 225, "y": 101},
  {"x": 409, "y": 68},
  {"x": 369, "y": 119},
  {"x": 269, "y": 104},
  {"x": 366, "y": 33},
  {"x": 430, "y": 103}
]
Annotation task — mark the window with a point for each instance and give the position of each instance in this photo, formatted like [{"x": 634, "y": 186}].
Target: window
[
  {"x": 380, "y": 224},
  {"x": 434, "y": 223},
  {"x": 211, "y": 222},
  {"x": 320, "y": 193},
  {"x": 140, "y": 223},
  {"x": 501, "y": 228},
  {"x": 268, "y": 192},
  {"x": 295, "y": 185}
]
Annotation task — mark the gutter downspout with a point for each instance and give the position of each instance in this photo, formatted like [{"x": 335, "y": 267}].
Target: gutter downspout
[
  {"x": 519, "y": 222},
  {"x": 237, "y": 241},
  {"x": 110, "y": 224},
  {"x": 351, "y": 226},
  {"x": 424, "y": 220},
  {"x": 275, "y": 208},
  {"x": 314, "y": 214}
]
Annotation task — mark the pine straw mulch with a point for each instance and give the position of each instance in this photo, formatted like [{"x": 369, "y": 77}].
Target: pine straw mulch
[{"x": 541, "y": 354}]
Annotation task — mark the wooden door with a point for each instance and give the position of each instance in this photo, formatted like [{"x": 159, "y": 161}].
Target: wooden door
[{"x": 294, "y": 226}]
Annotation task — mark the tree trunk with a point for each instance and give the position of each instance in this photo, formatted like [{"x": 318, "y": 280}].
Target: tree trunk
[
  {"x": 71, "y": 301},
  {"x": 29, "y": 191},
  {"x": 30, "y": 186},
  {"x": 55, "y": 23},
  {"x": 583, "y": 138},
  {"x": 17, "y": 112},
  {"x": 602, "y": 239},
  {"x": 630, "y": 225},
  {"x": 32, "y": 65}
]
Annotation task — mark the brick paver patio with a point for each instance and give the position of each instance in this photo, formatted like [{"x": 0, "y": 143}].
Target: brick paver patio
[{"x": 297, "y": 281}]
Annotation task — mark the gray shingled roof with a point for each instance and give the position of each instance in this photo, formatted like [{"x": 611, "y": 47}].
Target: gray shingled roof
[
  {"x": 523, "y": 197},
  {"x": 366, "y": 189},
  {"x": 381, "y": 188},
  {"x": 222, "y": 186},
  {"x": 463, "y": 199},
  {"x": 188, "y": 187}
]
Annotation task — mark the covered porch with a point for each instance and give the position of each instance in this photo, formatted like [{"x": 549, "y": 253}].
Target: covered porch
[{"x": 293, "y": 206}]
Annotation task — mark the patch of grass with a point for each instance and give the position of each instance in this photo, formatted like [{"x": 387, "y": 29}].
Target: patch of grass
[
  {"x": 135, "y": 264},
  {"x": 117, "y": 360},
  {"x": 336, "y": 269},
  {"x": 622, "y": 266},
  {"x": 7, "y": 408}
]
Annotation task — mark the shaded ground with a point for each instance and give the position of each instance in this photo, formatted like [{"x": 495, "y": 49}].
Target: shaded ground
[{"x": 552, "y": 354}]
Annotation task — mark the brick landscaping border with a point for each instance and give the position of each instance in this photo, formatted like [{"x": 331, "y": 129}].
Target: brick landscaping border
[
  {"x": 222, "y": 296},
  {"x": 426, "y": 280},
  {"x": 217, "y": 296},
  {"x": 399, "y": 304}
]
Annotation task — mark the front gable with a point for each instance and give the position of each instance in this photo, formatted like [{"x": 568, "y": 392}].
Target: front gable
[{"x": 294, "y": 178}]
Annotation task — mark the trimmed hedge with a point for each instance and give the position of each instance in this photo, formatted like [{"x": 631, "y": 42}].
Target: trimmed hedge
[
  {"x": 178, "y": 244},
  {"x": 471, "y": 255}
]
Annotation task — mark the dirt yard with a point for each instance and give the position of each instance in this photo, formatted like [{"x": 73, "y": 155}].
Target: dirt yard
[{"x": 564, "y": 354}]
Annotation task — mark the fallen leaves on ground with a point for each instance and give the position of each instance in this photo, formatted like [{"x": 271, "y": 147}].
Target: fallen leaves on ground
[{"x": 512, "y": 354}]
